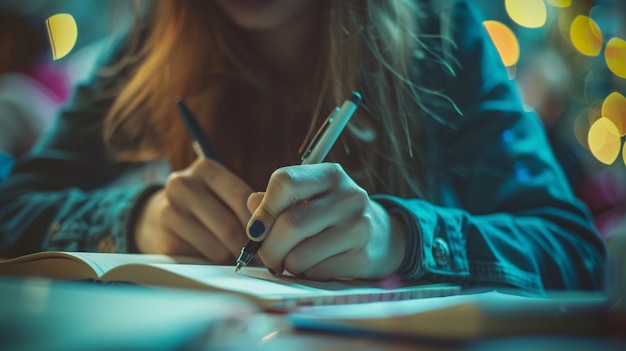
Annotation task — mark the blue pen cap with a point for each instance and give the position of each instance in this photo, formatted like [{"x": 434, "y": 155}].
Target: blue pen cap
[{"x": 355, "y": 97}]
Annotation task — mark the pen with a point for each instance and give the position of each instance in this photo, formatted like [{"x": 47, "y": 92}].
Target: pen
[
  {"x": 201, "y": 143},
  {"x": 316, "y": 151}
]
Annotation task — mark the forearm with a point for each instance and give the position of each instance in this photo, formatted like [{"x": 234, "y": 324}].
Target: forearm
[
  {"x": 557, "y": 250},
  {"x": 69, "y": 220}
]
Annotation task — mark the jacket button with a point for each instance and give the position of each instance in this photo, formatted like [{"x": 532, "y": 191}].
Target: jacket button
[{"x": 441, "y": 251}]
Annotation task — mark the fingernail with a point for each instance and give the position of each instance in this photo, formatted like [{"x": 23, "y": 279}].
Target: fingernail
[
  {"x": 256, "y": 229},
  {"x": 272, "y": 272}
]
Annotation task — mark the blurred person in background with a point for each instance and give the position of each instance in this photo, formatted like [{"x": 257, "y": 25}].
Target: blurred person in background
[{"x": 31, "y": 90}]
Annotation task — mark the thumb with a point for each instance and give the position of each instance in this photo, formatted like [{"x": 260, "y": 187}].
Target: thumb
[
  {"x": 262, "y": 220},
  {"x": 285, "y": 187}
]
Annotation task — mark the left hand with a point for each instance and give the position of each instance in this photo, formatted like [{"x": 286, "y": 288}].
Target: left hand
[{"x": 318, "y": 223}]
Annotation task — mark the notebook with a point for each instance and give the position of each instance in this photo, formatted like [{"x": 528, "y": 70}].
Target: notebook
[
  {"x": 268, "y": 291},
  {"x": 464, "y": 316}
]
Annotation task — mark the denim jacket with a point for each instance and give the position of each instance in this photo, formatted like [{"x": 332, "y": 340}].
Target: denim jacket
[{"x": 500, "y": 211}]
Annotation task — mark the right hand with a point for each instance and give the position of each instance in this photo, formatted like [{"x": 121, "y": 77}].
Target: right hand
[{"x": 201, "y": 211}]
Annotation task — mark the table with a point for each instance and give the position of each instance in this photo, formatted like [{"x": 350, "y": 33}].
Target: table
[{"x": 37, "y": 314}]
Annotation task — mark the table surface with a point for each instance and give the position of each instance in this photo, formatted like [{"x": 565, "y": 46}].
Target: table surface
[{"x": 41, "y": 314}]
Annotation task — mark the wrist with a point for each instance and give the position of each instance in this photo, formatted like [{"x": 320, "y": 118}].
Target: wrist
[
  {"x": 398, "y": 238},
  {"x": 412, "y": 250},
  {"x": 137, "y": 216},
  {"x": 388, "y": 243},
  {"x": 412, "y": 247}
]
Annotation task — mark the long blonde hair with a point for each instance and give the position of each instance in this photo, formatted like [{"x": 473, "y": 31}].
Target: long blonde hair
[{"x": 368, "y": 45}]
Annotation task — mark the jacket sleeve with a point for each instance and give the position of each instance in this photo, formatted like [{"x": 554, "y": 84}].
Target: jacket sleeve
[
  {"x": 59, "y": 196},
  {"x": 502, "y": 213}
]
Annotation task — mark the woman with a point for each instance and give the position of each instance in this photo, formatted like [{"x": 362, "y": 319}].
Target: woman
[{"x": 440, "y": 177}]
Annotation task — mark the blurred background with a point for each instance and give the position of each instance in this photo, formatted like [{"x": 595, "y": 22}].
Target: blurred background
[{"x": 568, "y": 58}]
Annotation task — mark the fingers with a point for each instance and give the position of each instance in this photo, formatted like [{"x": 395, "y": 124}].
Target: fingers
[
  {"x": 370, "y": 246},
  {"x": 312, "y": 231},
  {"x": 305, "y": 257},
  {"x": 208, "y": 209},
  {"x": 287, "y": 186},
  {"x": 150, "y": 233},
  {"x": 254, "y": 200},
  {"x": 189, "y": 234},
  {"x": 318, "y": 223},
  {"x": 348, "y": 264},
  {"x": 227, "y": 186},
  {"x": 203, "y": 215},
  {"x": 172, "y": 244}
]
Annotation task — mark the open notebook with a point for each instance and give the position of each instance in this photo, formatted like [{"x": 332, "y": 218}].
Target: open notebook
[{"x": 254, "y": 283}]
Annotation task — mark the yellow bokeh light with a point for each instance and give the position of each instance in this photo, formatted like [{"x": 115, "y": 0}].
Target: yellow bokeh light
[
  {"x": 604, "y": 141},
  {"x": 614, "y": 108},
  {"x": 527, "y": 13},
  {"x": 560, "y": 3},
  {"x": 581, "y": 127},
  {"x": 586, "y": 36},
  {"x": 615, "y": 56},
  {"x": 583, "y": 121},
  {"x": 504, "y": 40},
  {"x": 565, "y": 19},
  {"x": 62, "y": 33}
]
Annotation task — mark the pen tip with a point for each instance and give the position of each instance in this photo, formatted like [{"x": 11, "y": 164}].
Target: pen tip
[{"x": 237, "y": 268}]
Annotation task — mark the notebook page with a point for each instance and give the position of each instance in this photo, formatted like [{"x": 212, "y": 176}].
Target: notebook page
[
  {"x": 225, "y": 278},
  {"x": 103, "y": 262},
  {"x": 291, "y": 291}
]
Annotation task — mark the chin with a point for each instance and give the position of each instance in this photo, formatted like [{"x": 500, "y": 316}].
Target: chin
[
  {"x": 259, "y": 15},
  {"x": 255, "y": 22}
]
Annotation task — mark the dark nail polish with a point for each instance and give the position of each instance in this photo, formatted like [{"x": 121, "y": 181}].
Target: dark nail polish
[
  {"x": 272, "y": 272},
  {"x": 256, "y": 229}
]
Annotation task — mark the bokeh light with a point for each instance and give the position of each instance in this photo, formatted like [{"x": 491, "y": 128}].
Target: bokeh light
[
  {"x": 581, "y": 127},
  {"x": 583, "y": 121},
  {"x": 62, "y": 33},
  {"x": 604, "y": 141},
  {"x": 614, "y": 108},
  {"x": 565, "y": 18},
  {"x": 527, "y": 13},
  {"x": 505, "y": 42},
  {"x": 606, "y": 16},
  {"x": 615, "y": 56},
  {"x": 586, "y": 36},
  {"x": 560, "y": 3},
  {"x": 588, "y": 87}
]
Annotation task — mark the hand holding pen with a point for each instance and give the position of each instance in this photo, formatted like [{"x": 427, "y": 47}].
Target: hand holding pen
[
  {"x": 317, "y": 150},
  {"x": 200, "y": 211}
]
